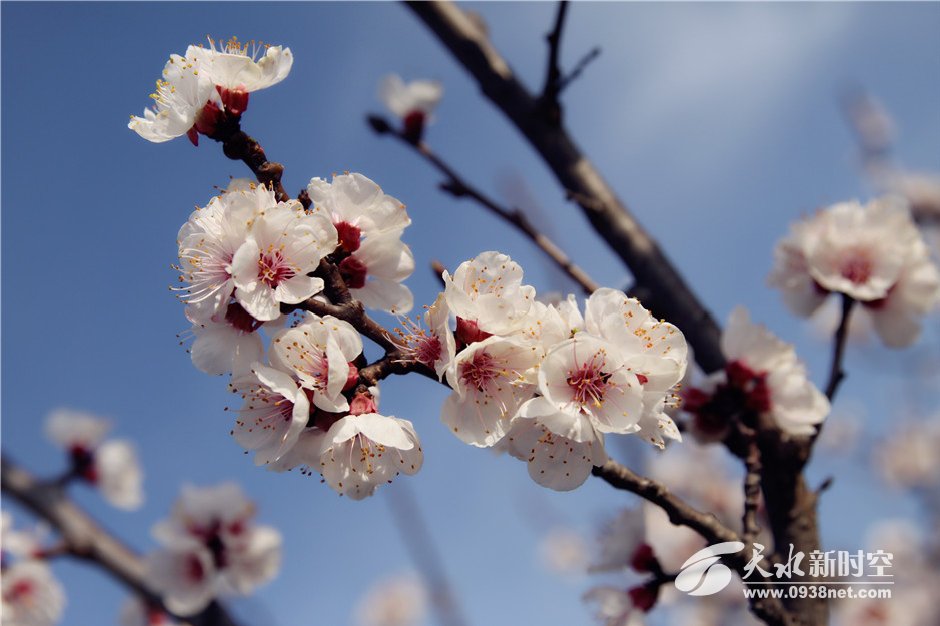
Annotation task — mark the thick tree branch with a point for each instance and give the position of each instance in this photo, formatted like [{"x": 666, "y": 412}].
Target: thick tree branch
[
  {"x": 670, "y": 297},
  {"x": 752, "y": 469},
  {"x": 457, "y": 186},
  {"x": 86, "y": 540}
]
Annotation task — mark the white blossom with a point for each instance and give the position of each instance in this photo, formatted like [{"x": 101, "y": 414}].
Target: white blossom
[
  {"x": 491, "y": 379},
  {"x": 563, "y": 551},
  {"x": 211, "y": 546},
  {"x": 487, "y": 293},
  {"x": 433, "y": 345},
  {"x": 285, "y": 243},
  {"x": 134, "y": 612},
  {"x": 319, "y": 352},
  {"x": 358, "y": 208},
  {"x": 111, "y": 466},
  {"x": 273, "y": 415},
  {"x": 361, "y": 452},
  {"x": 873, "y": 254},
  {"x": 763, "y": 375},
  {"x": 247, "y": 67},
  {"x": 619, "y": 540},
  {"x": 208, "y": 241},
  {"x": 614, "y": 606},
  {"x": 181, "y": 94},
  {"x": 404, "y": 99},
  {"x": 31, "y": 595}
]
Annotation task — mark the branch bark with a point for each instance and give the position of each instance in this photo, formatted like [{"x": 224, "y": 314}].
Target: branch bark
[
  {"x": 88, "y": 541},
  {"x": 670, "y": 297}
]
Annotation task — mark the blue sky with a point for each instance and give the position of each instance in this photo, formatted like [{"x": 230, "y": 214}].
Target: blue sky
[{"x": 717, "y": 123}]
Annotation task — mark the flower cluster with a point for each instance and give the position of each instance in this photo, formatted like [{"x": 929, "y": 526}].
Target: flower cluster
[
  {"x": 211, "y": 546},
  {"x": 111, "y": 465},
  {"x": 31, "y": 595},
  {"x": 763, "y": 377},
  {"x": 543, "y": 381},
  {"x": 873, "y": 254},
  {"x": 201, "y": 91}
]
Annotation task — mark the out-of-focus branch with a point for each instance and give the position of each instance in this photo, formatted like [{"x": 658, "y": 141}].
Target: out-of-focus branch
[
  {"x": 553, "y": 75},
  {"x": 670, "y": 296},
  {"x": 416, "y": 536},
  {"x": 752, "y": 473},
  {"x": 836, "y": 373},
  {"x": 707, "y": 525},
  {"x": 457, "y": 186},
  {"x": 84, "y": 539}
]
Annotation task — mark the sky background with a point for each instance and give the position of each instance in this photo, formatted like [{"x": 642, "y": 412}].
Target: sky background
[{"x": 718, "y": 124}]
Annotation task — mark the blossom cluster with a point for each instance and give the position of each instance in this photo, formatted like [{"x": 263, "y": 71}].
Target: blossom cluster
[
  {"x": 873, "y": 254},
  {"x": 201, "y": 90},
  {"x": 31, "y": 595},
  {"x": 242, "y": 258},
  {"x": 211, "y": 546},
  {"x": 544, "y": 381},
  {"x": 763, "y": 376}
]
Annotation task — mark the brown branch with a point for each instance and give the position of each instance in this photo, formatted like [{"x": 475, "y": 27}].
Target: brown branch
[
  {"x": 457, "y": 186},
  {"x": 239, "y": 146},
  {"x": 86, "y": 540},
  {"x": 707, "y": 525},
  {"x": 671, "y": 297},
  {"x": 354, "y": 313},
  {"x": 836, "y": 373},
  {"x": 553, "y": 76},
  {"x": 753, "y": 469}
]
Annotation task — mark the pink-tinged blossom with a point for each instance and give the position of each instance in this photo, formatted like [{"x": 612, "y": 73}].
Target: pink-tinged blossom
[
  {"x": 654, "y": 350},
  {"x": 412, "y": 102},
  {"x": 207, "y": 245},
  {"x": 487, "y": 295},
  {"x": 588, "y": 376},
  {"x": 211, "y": 546},
  {"x": 361, "y": 452},
  {"x": 358, "y": 208},
  {"x": 227, "y": 342},
  {"x": 491, "y": 379},
  {"x": 374, "y": 273},
  {"x": 31, "y": 596},
  {"x": 432, "y": 345},
  {"x": 181, "y": 94},
  {"x": 319, "y": 352},
  {"x": 284, "y": 244},
  {"x": 111, "y": 466},
  {"x": 763, "y": 376},
  {"x": 273, "y": 414},
  {"x": 873, "y": 254},
  {"x": 559, "y": 448}
]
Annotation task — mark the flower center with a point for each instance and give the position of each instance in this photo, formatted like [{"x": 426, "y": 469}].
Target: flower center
[
  {"x": 468, "y": 331},
  {"x": 239, "y": 319},
  {"x": 857, "y": 267},
  {"x": 479, "y": 371},
  {"x": 588, "y": 384},
  {"x": 353, "y": 272},
  {"x": 83, "y": 463},
  {"x": 273, "y": 269},
  {"x": 349, "y": 236}
]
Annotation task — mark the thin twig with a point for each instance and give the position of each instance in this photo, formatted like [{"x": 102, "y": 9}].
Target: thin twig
[
  {"x": 553, "y": 74},
  {"x": 457, "y": 186},
  {"x": 836, "y": 373},
  {"x": 86, "y": 540}
]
